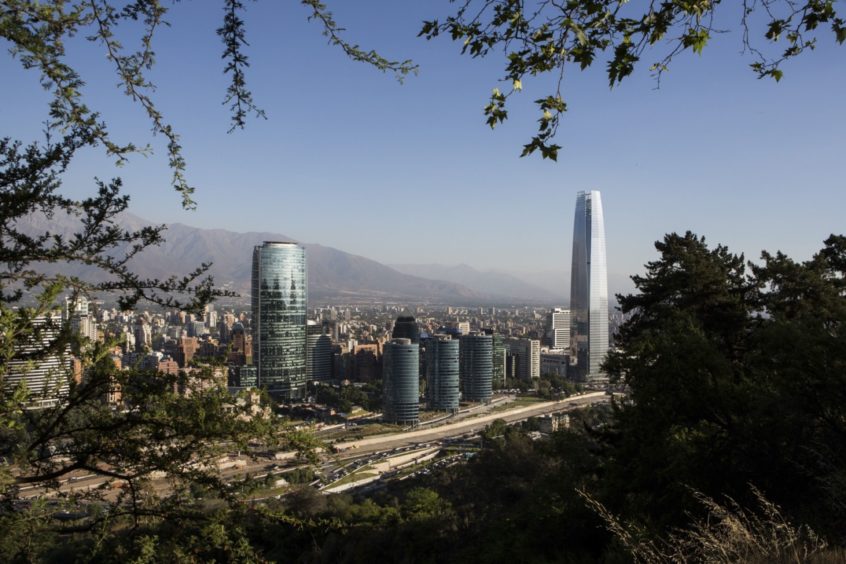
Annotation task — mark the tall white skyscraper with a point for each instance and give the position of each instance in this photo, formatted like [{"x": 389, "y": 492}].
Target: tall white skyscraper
[{"x": 589, "y": 287}]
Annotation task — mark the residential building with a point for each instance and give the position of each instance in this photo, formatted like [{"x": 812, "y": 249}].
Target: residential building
[{"x": 41, "y": 364}]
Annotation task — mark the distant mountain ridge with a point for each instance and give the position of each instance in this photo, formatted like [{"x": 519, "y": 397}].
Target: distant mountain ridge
[
  {"x": 548, "y": 287},
  {"x": 492, "y": 282},
  {"x": 333, "y": 275}
]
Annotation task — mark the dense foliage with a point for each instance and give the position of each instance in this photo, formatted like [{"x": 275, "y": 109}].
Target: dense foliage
[{"x": 736, "y": 377}]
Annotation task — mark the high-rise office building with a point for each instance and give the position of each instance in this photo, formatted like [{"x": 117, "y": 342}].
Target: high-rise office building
[
  {"x": 498, "y": 378},
  {"x": 318, "y": 353},
  {"x": 405, "y": 327},
  {"x": 241, "y": 351},
  {"x": 401, "y": 382},
  {"x": 279, "y": 296},
  {"x": 366, "y": 358},
  {"x": 525, "y": 358},
  {"x": 589, "y": 288},
  {"x": 476, "y": 366},
  {"x": 442, "y": 373},
  {"x": 558, "y": 328}
]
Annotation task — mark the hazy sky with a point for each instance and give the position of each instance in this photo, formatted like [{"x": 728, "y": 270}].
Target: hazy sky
[{"x": 411, "y": 174}]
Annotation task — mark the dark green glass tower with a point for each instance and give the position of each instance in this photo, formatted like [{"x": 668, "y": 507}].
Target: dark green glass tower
[{"x": 279, "y": 299}]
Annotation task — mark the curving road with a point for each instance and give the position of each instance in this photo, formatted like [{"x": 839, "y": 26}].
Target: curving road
[{"x": 394, "y": 440}]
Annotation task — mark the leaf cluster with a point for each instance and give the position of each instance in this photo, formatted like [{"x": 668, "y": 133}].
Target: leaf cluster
[
  {"x": 38, "y": 32},
  {"x": 550, "y": 37}
]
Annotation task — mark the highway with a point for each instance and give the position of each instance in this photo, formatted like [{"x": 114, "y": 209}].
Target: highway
[
  {"x": 475, "y": 424},
  {"x": 348, "y": 450}
]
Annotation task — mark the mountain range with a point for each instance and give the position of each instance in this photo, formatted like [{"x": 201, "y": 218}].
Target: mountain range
[
  {"x": 490, "y": 282},
  {"x": 333, "y": 275}
]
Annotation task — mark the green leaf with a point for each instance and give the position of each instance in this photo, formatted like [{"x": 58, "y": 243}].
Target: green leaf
[
  {"x": 775, "y": 29},
  {"x": 696, "y": 39}
]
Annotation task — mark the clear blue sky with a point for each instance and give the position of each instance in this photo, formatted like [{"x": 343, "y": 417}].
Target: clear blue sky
[{"x": 410, "y": 173}]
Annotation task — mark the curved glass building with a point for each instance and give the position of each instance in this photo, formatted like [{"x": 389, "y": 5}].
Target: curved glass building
[
  {"x": 476, "y": 366},
  {"x": 442, "y": 373},
  {"x": 589, "y": 288},
  {"x": 401, "y": 382},
  {"x": 279, "y": 296}
]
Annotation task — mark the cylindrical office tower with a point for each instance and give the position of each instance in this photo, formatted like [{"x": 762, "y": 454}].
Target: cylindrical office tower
[
  {"x": 442, "y": 373},
  {"x": 279, "y": 295},
  {"x": 318, "y": 353},
  {"x": 401, "y": 382},
  {"x": 405, "y": 327},
  {"x": 476, "y": 358}
]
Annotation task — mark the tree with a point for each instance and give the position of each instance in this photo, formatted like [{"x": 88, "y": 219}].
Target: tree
[
  {"x": 155, "y": 430},
  {"x": 735, "y": 376},
  {"x": 549, "y": 37}
]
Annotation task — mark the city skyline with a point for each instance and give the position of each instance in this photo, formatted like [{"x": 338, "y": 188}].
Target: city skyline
[{"x": 342, "y": 140}]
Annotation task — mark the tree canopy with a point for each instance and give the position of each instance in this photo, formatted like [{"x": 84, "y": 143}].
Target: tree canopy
[
  {"x": 733, "y": 381},
  {"x": 548, "y": 37}
]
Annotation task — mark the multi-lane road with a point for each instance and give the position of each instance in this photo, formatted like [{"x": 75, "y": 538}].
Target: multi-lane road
[
  {"x": 357, "y": 448},
  {"x": 469, "y": 425}
]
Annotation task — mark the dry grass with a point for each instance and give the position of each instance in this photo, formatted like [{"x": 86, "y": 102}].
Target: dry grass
[{"x": 728, "y": 533}]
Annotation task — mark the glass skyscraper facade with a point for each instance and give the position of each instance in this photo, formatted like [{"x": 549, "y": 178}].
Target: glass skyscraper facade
[
  {"x": 318, "y": 353},
  {"x": 279, "y": 296},
  {"x": 589, "y": 288},
  {"x": 498, "y": 347},
  {"x": 401, "y": 382},
  {"x": 442, "y": 373},
  {"x": 476, "y": 366}
]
